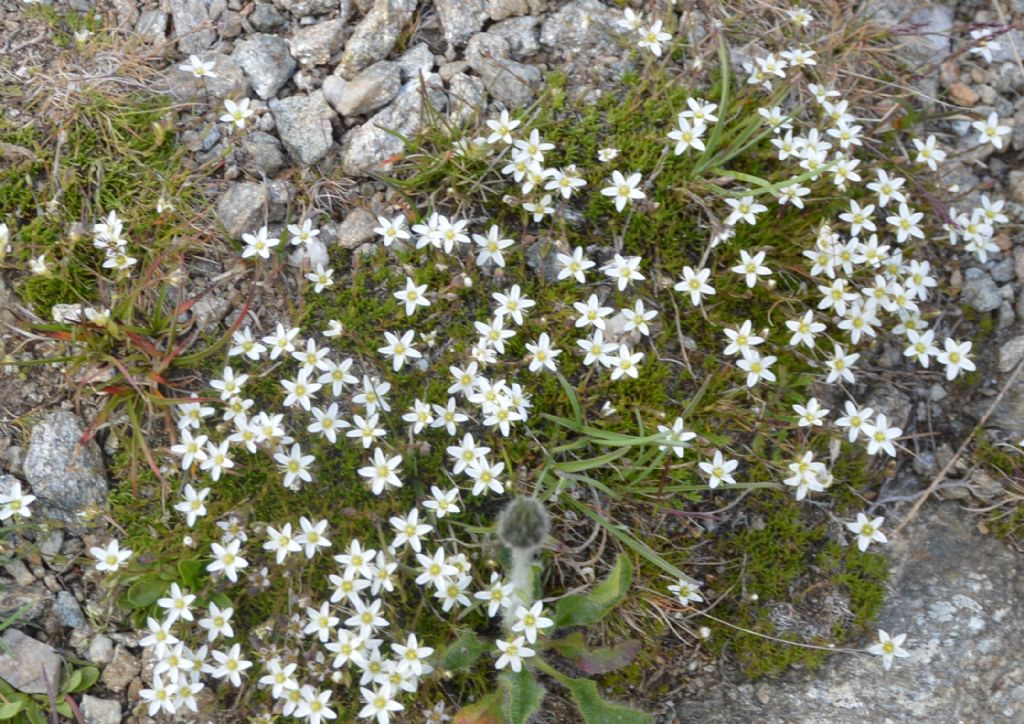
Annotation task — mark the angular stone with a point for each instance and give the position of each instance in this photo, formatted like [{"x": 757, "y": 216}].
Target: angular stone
[
  {"x": 375, "y": 35},
  {"x": 152, "y": 25},
  {"x": 372, "y": 89},
  {"x": 521, "y": 34},
  {"x": 241, "y": 208},
  {"x": 191, "y": 25},
  {"x": 100, "y": 711},
  {"x": 266, "y": 61},
  {"x": 467, "y": 98},
  {"x": 501, "y": 9},
  {"x": 315, "y": 44},
  {"x": 356, "y": 229},
  {"x": 123, "y": 667},
  {"x": 304, "y": 126},
  {"x": 266, "y": 18},
  {"x": 229, "y": 81},
  {"x": 66, "y": 475},
  {"x": 460, "y": 19},
  {"x": 27, "y": 664},
  {"x": 417, "y": 59},
  {"x": 68, "y": 611},
  {"x": 980, "y": 291},
  {"x": 260, "y": 154},
  {"x": 963, "y": 95},
  {"x": 371, "y": 146},
  {"x": 101, "y": 650},
  {"x": 509, "y": 81},
  {"x": 302, "y": 8}
]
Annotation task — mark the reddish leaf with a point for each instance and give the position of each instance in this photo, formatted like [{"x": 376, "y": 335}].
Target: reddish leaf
[
  {"x": 597, "y": 660},
  {"x": 485, "y": 711}
]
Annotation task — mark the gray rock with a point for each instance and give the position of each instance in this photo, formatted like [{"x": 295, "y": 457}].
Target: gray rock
[
  {"x": 242, "y": 208},
  {"x": 304, "y": 126},
  {"x": 28, "y": 603},
  {"x": 66, "y": 475},
  {"x": 267, "y": 63},
  {"x": 1015, "y": 184},
  {"x": 370, "y": 146},
  {"x": 509, "y": 81},
  {"x": 315, "y": 44},
  {"x": 101, "y": 650},
  {"x": 375, "y": 35},
  {"x": 229, "y": 80},
  {"x": 27, "y": 664},
  {"x": 417, "y": 59},
  {"x": 891, "y": 402},
  {"x": 582, "y": 27},
  {"x": 192, "y": 25},
  {"x": 521, "y": 34},
  {"x": 1002, "y": 271},
  {"x": 501, "y": 9},
  {"x": 152, "y": 25},
  {"x": 123, "y": 667},
  {"x": 542, "y": 258},
  {"x": 467, "y": 98},
  {"x": 980, "y": 291},
  {"x": 260, "y": 154},
  {"x": 461, "y": 19},
  {"x": 100, "y": 711},
  {"x": 265, "y": 18},
  {"x": 615, "y": 330},
  {"x": 372, "y": 89},
  {"x": 69, "y": 613},
  {"x": 1010, "y": 353},
  {"x": 356, "y": 229},
  {"x": 959, "y": 597}
]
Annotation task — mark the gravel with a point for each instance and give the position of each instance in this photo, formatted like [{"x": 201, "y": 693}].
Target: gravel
[
  {"x": 356, "y": 229},
  {"x": 66, "y": 475},
  {"x": 260, "y": 154},
  {"x": 242, "y": 208},
  {"x": 315, "y": 44},
  {"x": 100, "y": 711},
  {"x": 191, "y": 25}
]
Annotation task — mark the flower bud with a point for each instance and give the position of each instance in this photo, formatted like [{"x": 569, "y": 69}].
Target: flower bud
[{"x": 523, "y": 524}]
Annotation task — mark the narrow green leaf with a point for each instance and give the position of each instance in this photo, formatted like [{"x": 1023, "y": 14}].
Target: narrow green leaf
[
  {"x": 521, "y": 696},
  {"x": 596, "y": 710},
  {"x": 462, "y": 653},
  {"x": 34, "y": 713},
  {"x": 578, "y": 466},
  {"x": 73, "y": 682},
  {"x": 583, "y": 609}
]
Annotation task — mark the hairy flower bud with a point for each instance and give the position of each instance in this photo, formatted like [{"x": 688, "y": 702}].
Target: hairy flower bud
[{"x": 523, "y": 524}]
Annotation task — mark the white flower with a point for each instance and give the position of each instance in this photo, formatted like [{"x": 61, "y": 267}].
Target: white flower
[
  {"x": 928, "y": 153},
  {"x": 719, "y": 470},
  {"x": 687, "y": 592},
  {"x": 312, "y": 536},
  {"x": 501, "y": 128},
  {"x": 217, "y": 622},
  {"x": 542, "y": 355},
  {"x": 955, "y": 357},
  {"x": 855, "y": 420},
  {"x": 160, "y": 697},
  {"x": 695, "y": 283},
  {"x": 651, "y": 38},
  {"x": 198, "y": 67},
  {"x": 744, "y": 209},
  {"x": 624, "y": 189},
  {"x": 409, "y": 529},
  {"x": 227, "y": 559},
  {"x": 867, "y": 531},
  {"x": 624, "y": 269},
  {"x": 295, "y": 466},
  {"x": 983, "y": 43},
  {"x": 606, "y": 155},
  {"x": 258, "y": 244},
  {"x": 880, "y": 436},
  {"x": 392, "y": 229},
  {"x": 757, "y": 367},
  {"x": 688, "y": 135},
  {"x": 178, "y": 604},
  {"x": 411, "y": 656},
  {"x": 751, "y": 267},
  {"x": 491, "y": 247},
  {"x": 16, "y": 503},
  {"x": 811, "y": 414},
  {"x": 889, "y": 648},
  {"x": 230, "y": 665},
  {"x": 236, "y": 113},
  {"x": 399, "y": 349},
  {"x": 573, "y": 265},
  {"x": 531, "y": 620},
  {"x": 379, "y": 704},
  {"x": 109, "y": 559},
  {"x": 512, "y": 653}
]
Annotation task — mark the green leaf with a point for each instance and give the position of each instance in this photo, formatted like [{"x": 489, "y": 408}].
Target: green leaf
[
  {"x": 11, "y": 709},
  {"x": 221, "y": 600},
  {"x": 596, "y": 660},
  {"x": 485, "y": 711},
  {"x": 145, "y": 591},
  {"x": 191, "y": 572},
  {"x": 34, "y": 713},
  {"x": 583, "y": 609},
  {"x": 72, "y": 683},
  {"x": 90, "y": 675},
  {"x": 64, "y": 709},
  {"x": 521, "y": 696},
  {"x": 462, "y": 652},
  {"x": 596, "y": 710}
]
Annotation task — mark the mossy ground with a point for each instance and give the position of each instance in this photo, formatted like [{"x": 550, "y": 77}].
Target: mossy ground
[{"x": 120, "y": 157}]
